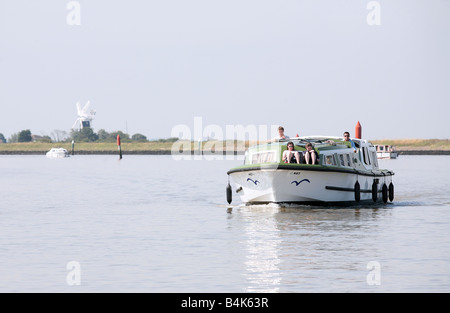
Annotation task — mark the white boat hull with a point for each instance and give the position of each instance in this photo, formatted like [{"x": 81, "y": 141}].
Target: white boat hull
[
  {"x": 387, "y": 155},
  {"x": 305, "y": 186},
  {"x": 57, "y": 153}
]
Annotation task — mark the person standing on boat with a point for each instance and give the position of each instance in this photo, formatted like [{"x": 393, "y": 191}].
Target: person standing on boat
[
  {"x": 347, "y": 138},
  {"x": 281, "y": 135},
  {"x": 290, "y": 155},
  {"x": 310, "y": 154}
]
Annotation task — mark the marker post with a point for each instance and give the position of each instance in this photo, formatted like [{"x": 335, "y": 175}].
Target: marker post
[{"x": 119, "y": 147}]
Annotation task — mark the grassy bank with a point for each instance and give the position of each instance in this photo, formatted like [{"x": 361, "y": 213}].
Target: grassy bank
[
  {"x": 86, "y": 146},
  {"x": 158, "y": 146},
  {"x": 104, "y": 147},
  {"x": 416, "y": 144}
]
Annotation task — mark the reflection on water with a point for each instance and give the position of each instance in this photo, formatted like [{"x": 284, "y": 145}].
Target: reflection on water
[
  {"x": 293, "y": 248},
  {"x": 262, "y": 259}
]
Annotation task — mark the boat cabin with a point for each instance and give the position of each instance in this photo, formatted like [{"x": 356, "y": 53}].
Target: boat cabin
[
  {"x": 385, "y": 148},
  {"x": 332, "y": 152},
  {"x": 386, "y": 152}
]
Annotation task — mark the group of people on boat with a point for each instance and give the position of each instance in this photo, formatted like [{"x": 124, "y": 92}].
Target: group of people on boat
[{"x": 310, "y": 156}]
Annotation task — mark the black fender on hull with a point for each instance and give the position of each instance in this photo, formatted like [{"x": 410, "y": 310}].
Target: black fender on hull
[
  {"x": 229, "y": 193},
  {"x": 374, "y": 191},
  {"x": 357, "y": 192},
  {"x": 384, "y": 192},
  {"x": 391, "y": 192}
]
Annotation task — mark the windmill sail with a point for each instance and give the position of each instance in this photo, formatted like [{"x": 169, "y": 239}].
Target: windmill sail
[{"x": 85, "y": 116}]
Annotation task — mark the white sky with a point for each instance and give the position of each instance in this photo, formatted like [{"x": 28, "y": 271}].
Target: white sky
[{"x": 315, "y": 67}]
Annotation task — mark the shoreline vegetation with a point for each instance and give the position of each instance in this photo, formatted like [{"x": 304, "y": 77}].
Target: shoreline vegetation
[{"x": 403, "y": 146}]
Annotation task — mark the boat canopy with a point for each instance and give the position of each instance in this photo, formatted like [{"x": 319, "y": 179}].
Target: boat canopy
[{"x": 332, "y": 151}]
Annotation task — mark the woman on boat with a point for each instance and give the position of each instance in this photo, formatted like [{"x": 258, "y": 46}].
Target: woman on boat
[{"x": 290, "y": 155}]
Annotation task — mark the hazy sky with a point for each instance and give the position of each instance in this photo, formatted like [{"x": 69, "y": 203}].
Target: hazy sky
[{"x": 315, "y": 67}]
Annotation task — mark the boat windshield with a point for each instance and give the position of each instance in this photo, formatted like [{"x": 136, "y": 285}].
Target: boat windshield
[{"x": 262, "y": 157}]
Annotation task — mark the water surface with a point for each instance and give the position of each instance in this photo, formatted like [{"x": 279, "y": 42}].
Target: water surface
[{"x": 153, "y": 224}]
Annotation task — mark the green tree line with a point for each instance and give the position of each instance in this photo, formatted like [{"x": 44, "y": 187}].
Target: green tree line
[{"x": 84, "y": 135}]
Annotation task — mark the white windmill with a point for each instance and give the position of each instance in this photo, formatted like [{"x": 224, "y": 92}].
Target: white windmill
[{"x": 85, "y": 116}]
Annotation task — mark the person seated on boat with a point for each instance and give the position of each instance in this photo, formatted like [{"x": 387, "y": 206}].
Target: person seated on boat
[
  {"x": 281, "y": 135},
  {"x": 290, "y": 155},
  {"x": 311, "y": 156},
  {"x": 347, "y": 138}
]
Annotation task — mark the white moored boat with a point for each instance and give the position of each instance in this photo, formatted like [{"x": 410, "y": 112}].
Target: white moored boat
[
  {"x": 342, "y": 174},
  {"x": 57, "y": 153},
  {"x": 386, "y": 152}
]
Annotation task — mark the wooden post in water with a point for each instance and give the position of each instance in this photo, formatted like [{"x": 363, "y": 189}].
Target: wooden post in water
[{"x": 120, "y": 148}]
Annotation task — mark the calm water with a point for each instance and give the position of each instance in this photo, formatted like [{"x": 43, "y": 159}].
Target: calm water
[{"x": 152, "y": 224}]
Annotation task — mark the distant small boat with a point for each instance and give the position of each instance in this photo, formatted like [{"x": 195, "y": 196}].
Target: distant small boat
[
  {"x": 57, "y": 153},
  {"x": 386, "y": 152}
]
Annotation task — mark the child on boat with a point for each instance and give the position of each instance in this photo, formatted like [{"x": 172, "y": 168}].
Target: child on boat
[{"x": 311, "y": 155}]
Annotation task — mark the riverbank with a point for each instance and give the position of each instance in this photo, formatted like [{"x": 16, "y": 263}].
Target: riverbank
[
  {"x": 403, "y": 146},
  {"x": 406, "y": 145},
  {"x": 150, "y": 147}
]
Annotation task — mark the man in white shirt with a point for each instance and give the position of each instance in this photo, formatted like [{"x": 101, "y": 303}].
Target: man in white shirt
[{"x": 281, "y": 135}]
